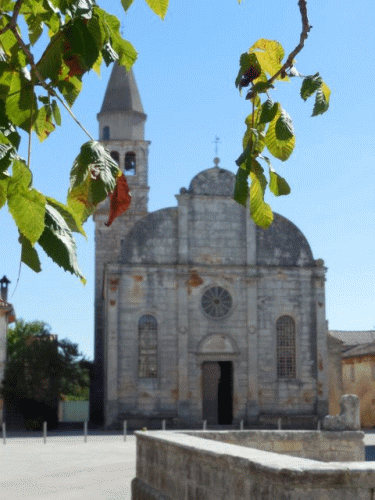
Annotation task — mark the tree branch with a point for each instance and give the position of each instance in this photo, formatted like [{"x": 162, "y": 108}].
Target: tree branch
[
  {"x": 302, "y": 4},
  {"x": 42, "y": 82},
  {"x": 13, "y": 22}
]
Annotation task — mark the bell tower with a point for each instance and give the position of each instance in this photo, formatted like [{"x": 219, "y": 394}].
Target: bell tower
[{"x": 121, "y": 131}]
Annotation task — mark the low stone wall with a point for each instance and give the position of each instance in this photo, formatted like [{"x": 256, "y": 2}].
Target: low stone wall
[
  {"x": 181, "y": 466},
  {"x": 345, "y": 446}
]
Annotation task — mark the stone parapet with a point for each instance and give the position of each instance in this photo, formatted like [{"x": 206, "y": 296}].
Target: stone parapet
[
  {"x": 315, "y": 445},
  {"x": 179, "y": 466}
]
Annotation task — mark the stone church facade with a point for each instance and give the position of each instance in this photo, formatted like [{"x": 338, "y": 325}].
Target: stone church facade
[{"x": 199, "y": 313}]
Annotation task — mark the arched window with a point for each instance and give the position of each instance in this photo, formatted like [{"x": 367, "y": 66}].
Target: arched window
[
  {"x": 115, "y": 156},
  {"x": 130, "y": 163},
  {"x": 106, "y": 134},
  {"x": 286, "y": 347},
  {"x": 147, "y": 347}
]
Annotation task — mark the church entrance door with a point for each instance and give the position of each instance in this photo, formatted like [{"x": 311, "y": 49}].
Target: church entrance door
[{"x": 217, "y": 377}]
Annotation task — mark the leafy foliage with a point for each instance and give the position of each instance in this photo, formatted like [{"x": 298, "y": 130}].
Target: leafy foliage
[
  {"x": 40, "y": 367},
  {"x": 269, "y": 125},
  {"x": 81, "y": 37}
]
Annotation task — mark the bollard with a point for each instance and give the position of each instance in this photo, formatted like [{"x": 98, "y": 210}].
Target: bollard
[
  {"x": 44, "y": 432},
  {"x": 125, "y": 427},
  {"x": 241, "y": 425},
  {"x": 319, "y": 425},
  {"x": 4, "y": 433},
  {"x": 163, "y": 425},
  {"x": 85, "y": 431},
  {"x": 279, "y": 424},
  {"x": 204, "y": 425}
]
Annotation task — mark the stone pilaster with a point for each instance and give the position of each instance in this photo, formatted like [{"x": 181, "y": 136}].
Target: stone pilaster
[
  {"x": 321, "y": 339},
  {"x": 252, "y": 319},
  {"x": 182, "y": 314},
  {"x": 111, "y": 298}
]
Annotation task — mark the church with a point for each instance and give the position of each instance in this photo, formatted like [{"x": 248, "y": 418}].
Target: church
[{"x": 200, "y": 315}]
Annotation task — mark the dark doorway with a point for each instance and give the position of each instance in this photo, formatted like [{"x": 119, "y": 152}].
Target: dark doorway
[{"x": 217, "y": 385}]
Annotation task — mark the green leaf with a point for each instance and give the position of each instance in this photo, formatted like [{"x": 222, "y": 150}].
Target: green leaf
[
  {"x": 35, "y": 26},
  {"x": 260, "y": 211},
  {"x": 269, "y": 110},
  {"x": 126, "y": 4},
  {"x": 49, "y": 65},
  {"x": 29, "y": 255},
  {"x": 246, "y": 62},
  {"x": 4, "y": 181},
  {"x": 160, "y": 7},
  {"x": 27, "y": 206},
  {"x": 43, "y": 124},
  {"x": 321, "y": 100},
  {"x": 70, "y": 89},
  {"x": 6, "y": 155},
  {"x": 80, "y": 48},
  {"x": 8, "y": 132},
  {"x": 284, "y": 126},
  {"x": 111, "y": 25},
  {"x": 109, "y": 55},
  {"x": 21, "y": 103},
  {"x": 281, "y": 149},
  {"x": 92, "y": 178},
  {"x": 278, "y": 185},
  {"x": 241, "y": 188},
  {"x": 58, "y": 243},
  {"x": 310, "y": 85},
  {"x": 56, "y": 113},
  {"x": 262, "y": 87},
  {"x": 68, "y": 214}
]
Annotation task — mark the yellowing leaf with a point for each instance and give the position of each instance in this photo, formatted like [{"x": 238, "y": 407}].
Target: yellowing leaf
[
  {"x": 269, "y": 53},
  {"x": 281, "y": 149},
  {"x": 260, "y": 211},
  {"x": 160, "y": 7}
]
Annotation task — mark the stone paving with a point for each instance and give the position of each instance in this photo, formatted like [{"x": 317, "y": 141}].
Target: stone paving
[{"x": 67, "y": 468}]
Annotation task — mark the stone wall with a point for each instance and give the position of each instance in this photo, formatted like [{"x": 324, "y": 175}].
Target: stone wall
[
  {"x": 325, "y": 446},
  {"x": 177, "y": 466}
]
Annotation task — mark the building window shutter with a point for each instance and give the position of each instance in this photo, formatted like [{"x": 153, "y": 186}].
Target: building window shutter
[
  {"x": 286, "y": 347},
  {"x": 147, "y": 347}
]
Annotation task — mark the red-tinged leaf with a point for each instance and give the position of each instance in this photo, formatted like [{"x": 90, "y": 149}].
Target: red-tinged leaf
[{"x": 120, "y": 199}]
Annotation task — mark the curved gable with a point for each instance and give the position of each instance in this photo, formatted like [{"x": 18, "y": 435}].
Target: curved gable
[
  {"x": 153, "y": 239},
  {"x": 282, "y": 244}
]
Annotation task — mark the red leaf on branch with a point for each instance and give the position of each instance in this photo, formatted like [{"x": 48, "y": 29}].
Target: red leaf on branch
[{"x": 120, "y": 199}]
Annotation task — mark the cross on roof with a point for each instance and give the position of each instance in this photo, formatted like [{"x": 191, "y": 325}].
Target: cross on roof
[{"x": 216, "y": 142}]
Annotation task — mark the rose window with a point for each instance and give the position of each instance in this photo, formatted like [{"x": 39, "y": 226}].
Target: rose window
[{"x": 216, "y": 302}]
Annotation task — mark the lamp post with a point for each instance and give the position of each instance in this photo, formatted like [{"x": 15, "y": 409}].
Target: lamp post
[{"x": 4, "y": 282}]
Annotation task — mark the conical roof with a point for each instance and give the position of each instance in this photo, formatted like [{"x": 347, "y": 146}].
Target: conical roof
[{"x": 122, "y": 93}]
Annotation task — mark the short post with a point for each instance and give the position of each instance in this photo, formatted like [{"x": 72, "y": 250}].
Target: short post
[
  {"x": 4, "y": 433},
  {"x": 319, "y": 425},
  {"x": 279, "y": 423},
  {"x": 44, "y": 432},
  {"x": 204, "y": 425},
  {"x": 241, "y": 425},
  {"x": 125, "y": 426},
  {"x": 163, "y": 425},
  {"x": 85, "y": 431}
]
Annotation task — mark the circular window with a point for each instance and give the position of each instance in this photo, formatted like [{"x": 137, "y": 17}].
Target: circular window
[{"x": 216, "y": 302}]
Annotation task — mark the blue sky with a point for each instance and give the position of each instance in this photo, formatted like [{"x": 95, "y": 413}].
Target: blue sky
[{"x": 185, "y": 73}]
